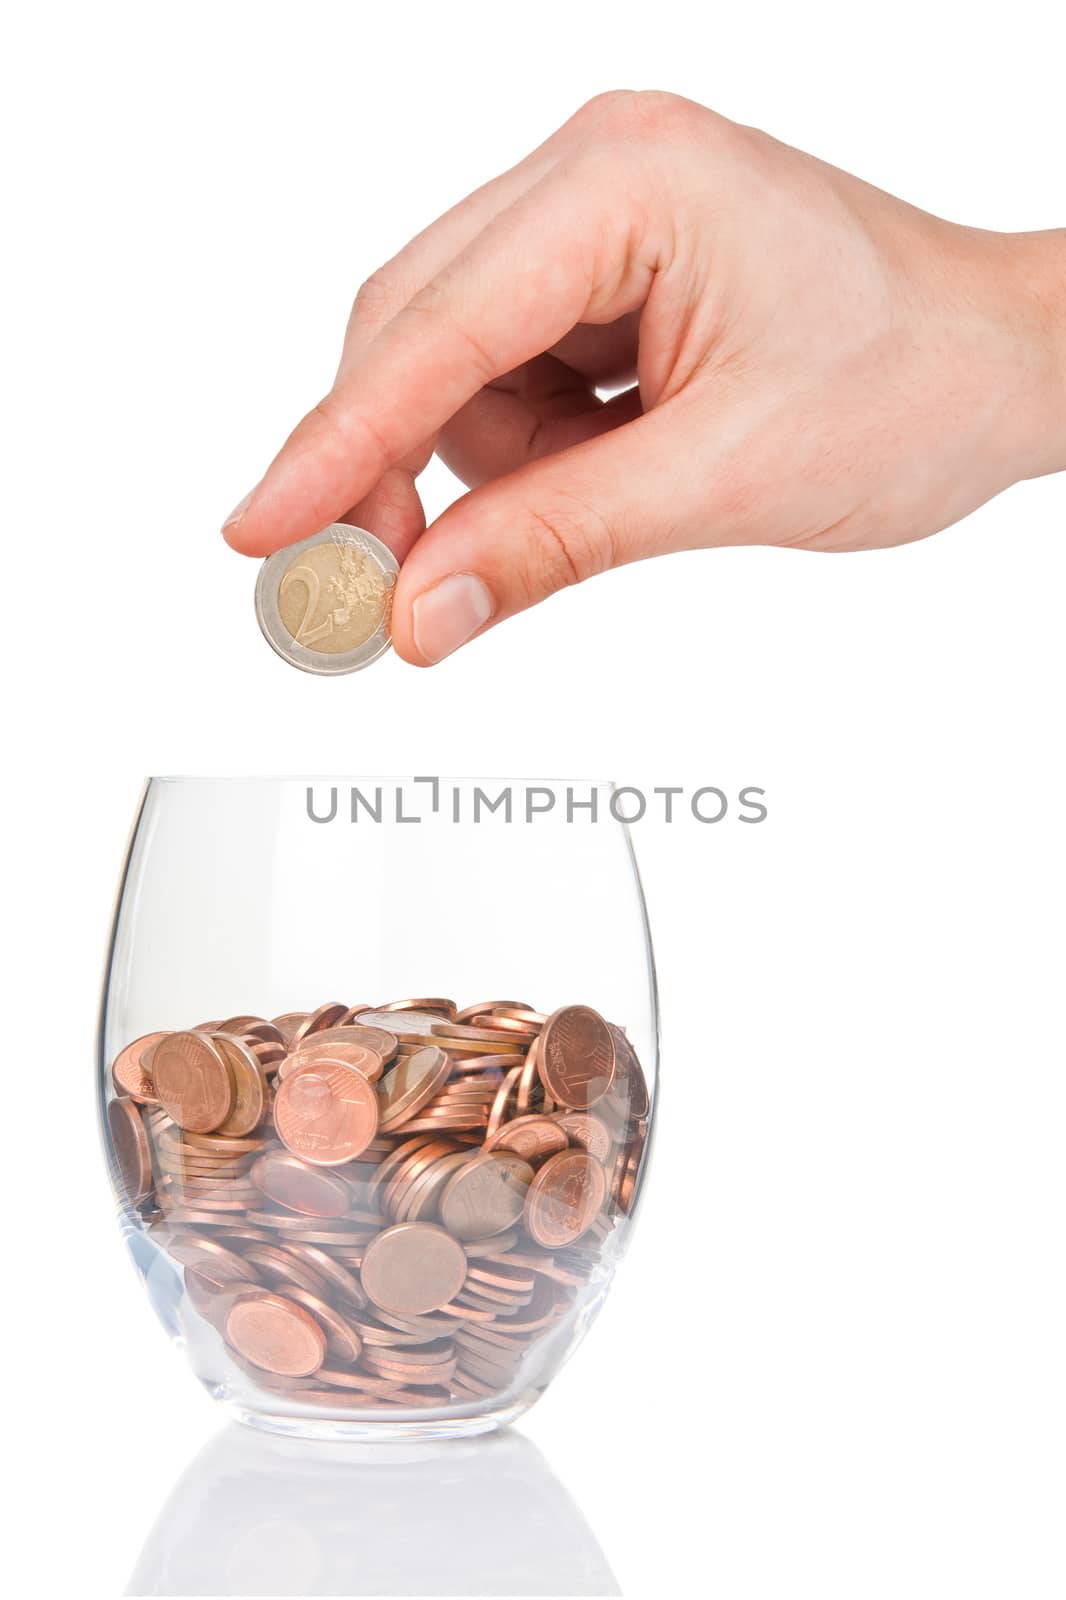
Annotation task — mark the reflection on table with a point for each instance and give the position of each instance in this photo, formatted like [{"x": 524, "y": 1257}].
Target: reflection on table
[{"x": 256, "y": 1514}]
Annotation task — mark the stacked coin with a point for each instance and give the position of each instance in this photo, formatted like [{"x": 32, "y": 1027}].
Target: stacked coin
[{"x": 383, "y": 1207}]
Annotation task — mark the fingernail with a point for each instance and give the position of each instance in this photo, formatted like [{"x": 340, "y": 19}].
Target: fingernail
[
  {"x": 239, "y": 509},
  {"x": 449, "y": 614}
]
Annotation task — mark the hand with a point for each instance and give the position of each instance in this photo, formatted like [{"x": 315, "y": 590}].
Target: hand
[{"x": 802, "y": 360}]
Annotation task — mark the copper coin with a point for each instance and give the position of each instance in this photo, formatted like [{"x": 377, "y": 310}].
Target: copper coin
[
  {"x": 276, "y": 1334},
  {"x": 528, "y": 1081},
  {"x": 289, "y": 1023},
  {"x": 356, "y": 1380},
  {"x": 130, "y": 1073},
  {"x": 466, "y": 1035},
  {"x": 525, "y": 1030},
  {"x": 486, "y": 1063},
  {"x": 194, "y": 1216},
  {"x": 266, "y": 1033},
  {"x": 241, "y": 1024},
  {"x": 486, "y": 1196},
  {"x": 447, "y": 1007},
  {"x": 376, "y": 1333},
  {"x": 419, "y": 1201},
  {"x": 408, "y": 1085},
  {"x": 277, "y": 1266},
  {"x": 412, "y": 1167},
  {"x": 498, "y": 1110},
  {"x": 193, "y": 1251},
  {"x": 577, "y": 1056},
  {"x": 526, "y": 1014},
  {"x": 457, "y": 1122},
  {"x": 212, "y": 1293},
  {"x": 563, "y": 1198},
  {"x": 632, "y": 1073},
  {"x": 214, "y": 1144},
  {"x": 539, "y": 1312},
  {"x": 438, "y": 1353},
  {"x": 532, "y": 1138},
  {"x": 413, "y": 1268},
  {"x": 268, "y": 1055},
  {"x": 585, "y": 1129},
  {"x": 499, "y": 1276},
  {"x": 388, "y": 1168},
  {"x": 351, "y": 1014},
  {"x": 435, "y": 1373},
  {"x": 342, "y": 1340},
  {"x": 193, "y": 1081},
  {"x": 133, "y": 1154},
  {"x": 217, "y": 1186},
  {"x": 488, "y": 1005},
  {"x": 335, "y": 1242},
  {"x": 360, "y": 1057},
  {"x": 489, "y": 1294},
  {"x": 628, "y": 1188},
  {"x": 337, "y": 1276},
  {"x": 249, "y": 1088},
  {"x": 326, "y": 1113},
  {"x": 381, "y": 1040},
  {"x": 175, "y": 1194},
  {"x": 290, "y": 1182},
  {"x": 403, "y": 1024},
  {"x": 326, "y": 1016},
  {"x": 495, "y": 1248}
]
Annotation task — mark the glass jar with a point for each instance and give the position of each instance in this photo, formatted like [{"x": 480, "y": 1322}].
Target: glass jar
[{"x": 365, "y": 1201}]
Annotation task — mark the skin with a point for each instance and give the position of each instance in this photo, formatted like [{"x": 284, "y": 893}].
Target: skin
[{"x": 801, "y": 360}]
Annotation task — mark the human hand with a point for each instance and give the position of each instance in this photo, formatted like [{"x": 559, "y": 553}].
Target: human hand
[{"x": 805, "y": 360}]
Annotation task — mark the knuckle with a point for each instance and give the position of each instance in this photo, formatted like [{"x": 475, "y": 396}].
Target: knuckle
[
  {"x": 377, "y": 300},
  {"x": 638, "y": 112},
  {"x": 343, "y": 431},
  {"x": 439, "y": 302},
  {"x": 566, "y": 542}
]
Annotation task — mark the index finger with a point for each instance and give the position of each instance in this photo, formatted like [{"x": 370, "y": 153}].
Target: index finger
[{"x": 557, "y": 256}]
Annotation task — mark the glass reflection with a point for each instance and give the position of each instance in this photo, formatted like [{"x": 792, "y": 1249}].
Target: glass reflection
[{"x": 259, "y": 1514}]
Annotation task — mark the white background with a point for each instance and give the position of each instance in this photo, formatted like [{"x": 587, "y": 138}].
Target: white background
[{"x": 855, "y": 1385}]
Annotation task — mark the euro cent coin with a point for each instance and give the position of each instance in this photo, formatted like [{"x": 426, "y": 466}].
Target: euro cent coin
[{"x": 325, "y": 604}]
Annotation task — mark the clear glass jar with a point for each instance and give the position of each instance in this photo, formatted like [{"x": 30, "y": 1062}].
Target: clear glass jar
[{"x": 361, "y": 1213}]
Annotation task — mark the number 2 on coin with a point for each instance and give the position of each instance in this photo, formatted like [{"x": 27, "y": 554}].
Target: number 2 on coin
[{"x": 305, "y": 634}]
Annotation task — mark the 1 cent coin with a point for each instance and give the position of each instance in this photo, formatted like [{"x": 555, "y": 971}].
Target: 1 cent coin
[
  {"x": 290, "y": 1182},
  {"x": 193, "y": 1081},
  {"x": 326, "y": 1113},
  {"x": 486, "y": 1196},
  {"x": 577, "y": 1055},
  {"x": 413, "y": 1268},
  {"x": 530, "y": 1137},
  {"x": 275, "y": 1333},
  {"x": 564, "y": 1198},
  {"x": 130, "y": 1070},
  {"x": 410, "y": 1085},
  {"x": 250, "y": 1095},
  {"x": 133, "y": 1153}
]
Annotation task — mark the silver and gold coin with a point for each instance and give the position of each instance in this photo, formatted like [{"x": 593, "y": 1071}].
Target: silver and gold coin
[{"x": 325, "y": 604}]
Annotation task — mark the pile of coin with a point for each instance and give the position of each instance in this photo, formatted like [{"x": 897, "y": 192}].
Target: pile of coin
[{"x": 383, "y": 1207}]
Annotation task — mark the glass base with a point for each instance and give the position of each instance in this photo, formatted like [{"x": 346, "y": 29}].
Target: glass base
[{"x": 375, "y": 1430}]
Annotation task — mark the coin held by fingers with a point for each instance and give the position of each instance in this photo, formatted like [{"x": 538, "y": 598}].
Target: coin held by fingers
[{"x": 325, "y": 604}]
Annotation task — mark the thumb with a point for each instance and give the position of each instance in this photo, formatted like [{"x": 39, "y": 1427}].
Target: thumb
[{"x": 553, "y": 522}]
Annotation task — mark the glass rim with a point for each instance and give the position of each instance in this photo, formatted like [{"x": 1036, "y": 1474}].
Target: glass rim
[{"x": 374, "y": 777}]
